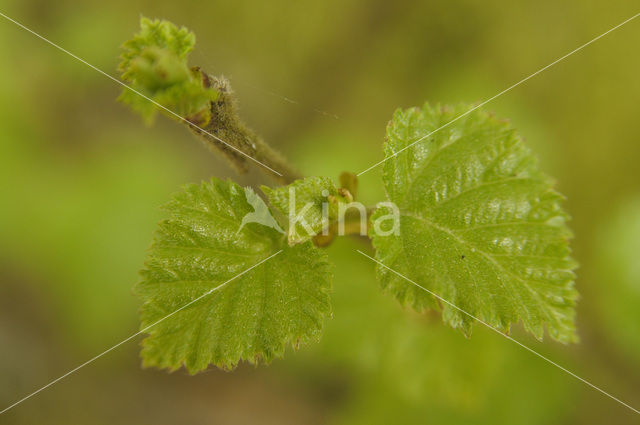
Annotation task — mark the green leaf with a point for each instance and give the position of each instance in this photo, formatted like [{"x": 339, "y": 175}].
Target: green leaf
[
  {"x": 154, "y": 63},
  {"x": 302, "y": 203},
  {"x": 480, "y": 224},
  {"x": 202, "y": 246}
]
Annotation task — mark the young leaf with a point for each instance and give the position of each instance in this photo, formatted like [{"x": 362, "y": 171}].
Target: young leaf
[
  {"x": 480, "y": 224},
  {"x": 154, "y": 63},
  {"x": 201, "y": 246},
  {"x": 302, "y": 203}
]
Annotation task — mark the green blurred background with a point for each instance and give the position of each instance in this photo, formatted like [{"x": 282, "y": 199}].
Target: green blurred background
[{"x": 82, "y": 179}]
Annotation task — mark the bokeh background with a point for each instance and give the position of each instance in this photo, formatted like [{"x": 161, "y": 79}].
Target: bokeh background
[{"x": 82, "y": 179}]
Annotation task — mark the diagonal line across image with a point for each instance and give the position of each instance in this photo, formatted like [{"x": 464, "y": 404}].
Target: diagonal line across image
[
  {"x": 498, "y": 331},
  {"x": 481, "y": 104},
  {"x": 140, "y": 332},
  {"x": 126, "y": 86},
  {"x": 278, "y": 173}
]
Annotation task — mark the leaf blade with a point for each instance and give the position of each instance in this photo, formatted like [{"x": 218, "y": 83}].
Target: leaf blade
[
  {"x": 252, "y": 317},
  {"x": 480, "y": 224}
]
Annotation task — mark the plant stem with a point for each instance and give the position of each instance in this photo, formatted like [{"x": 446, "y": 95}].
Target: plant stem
[{"x": 227, "y": 125}]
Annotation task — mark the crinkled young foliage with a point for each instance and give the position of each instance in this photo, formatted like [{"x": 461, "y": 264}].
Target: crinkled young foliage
[
  {"x": 204, "y": 247},
  {"x": 307, "y": 217},
  {"x": 154, "y": 63},
  {"x": 480, "y": 225}
]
